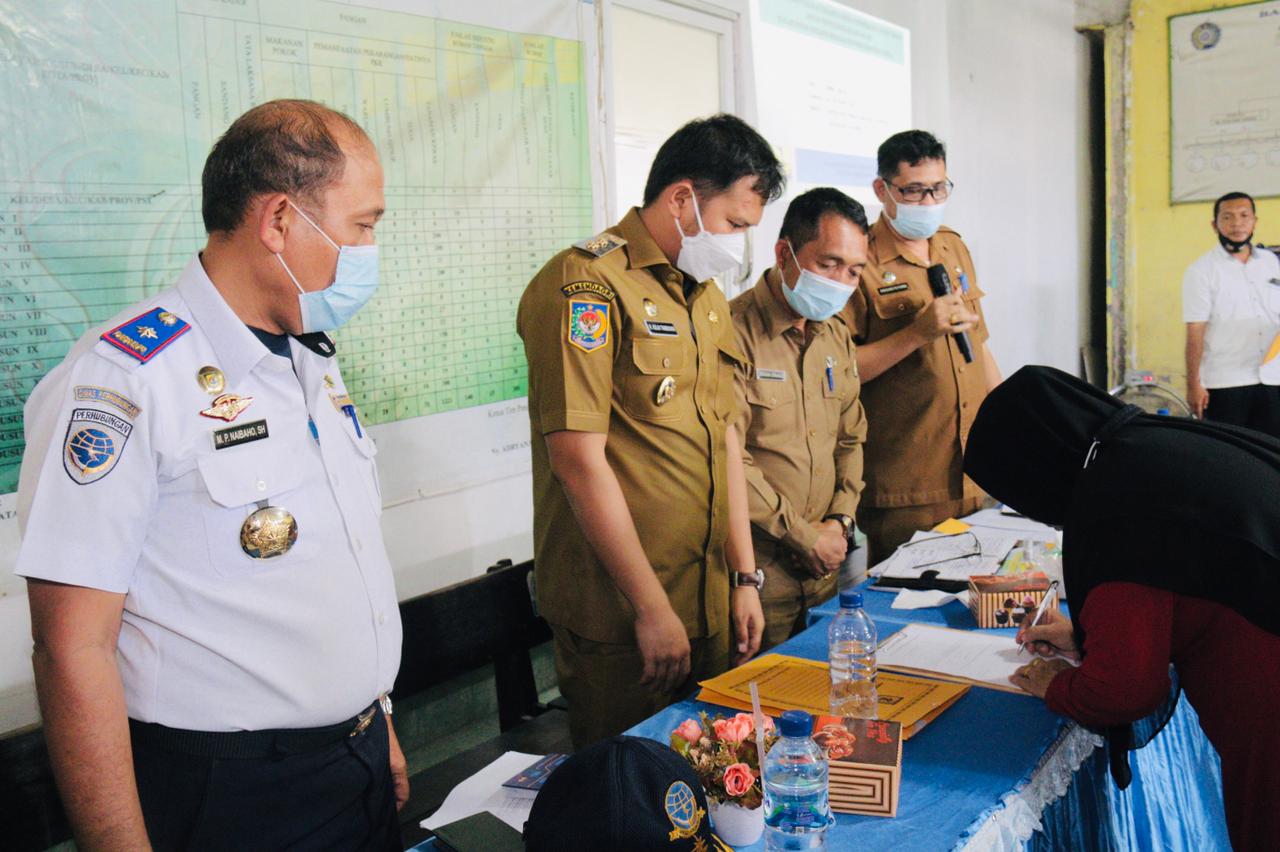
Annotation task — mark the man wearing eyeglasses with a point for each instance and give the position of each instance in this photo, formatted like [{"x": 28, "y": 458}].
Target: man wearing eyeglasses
[{"x": 919, "y": 393}]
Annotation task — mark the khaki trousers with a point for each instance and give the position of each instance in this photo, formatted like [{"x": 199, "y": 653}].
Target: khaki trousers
[{"x": 601, "y": 682}]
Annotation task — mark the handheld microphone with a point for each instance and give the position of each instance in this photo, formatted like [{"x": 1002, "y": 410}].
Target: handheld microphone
[{"x": 940, "y": 284}]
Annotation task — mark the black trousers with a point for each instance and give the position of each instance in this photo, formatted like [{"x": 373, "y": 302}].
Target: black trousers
[
  {"x": 1252, "y": 406},
  {"x": 337, "y": 797}
]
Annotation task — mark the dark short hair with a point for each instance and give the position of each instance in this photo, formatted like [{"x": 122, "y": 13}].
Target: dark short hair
[
  {"x": 287, "y": 146},
  {"x": 806, "y": 210},
  {"x": 911, "y": 147},
  {"x": 714, "y": 153},
  {"x": 1234, "y": 196}
]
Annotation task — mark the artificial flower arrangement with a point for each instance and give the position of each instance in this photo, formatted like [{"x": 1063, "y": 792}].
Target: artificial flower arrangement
[{"x": 723, "y": 754}]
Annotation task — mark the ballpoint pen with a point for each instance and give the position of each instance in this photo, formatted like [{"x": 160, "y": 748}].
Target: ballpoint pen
[{"x": 1044, "y": 604}]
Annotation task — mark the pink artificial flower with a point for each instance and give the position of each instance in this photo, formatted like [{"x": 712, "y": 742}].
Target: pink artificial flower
[
  {"x": 733, "y": 730},
  {"x": 689, "y": 730},
  {"x": 738, "y": 779}
]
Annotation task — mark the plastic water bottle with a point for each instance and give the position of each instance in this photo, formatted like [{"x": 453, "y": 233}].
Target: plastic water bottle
[
  {"x": 796, "y": 808},
  {"x": 851, "y": 643}
]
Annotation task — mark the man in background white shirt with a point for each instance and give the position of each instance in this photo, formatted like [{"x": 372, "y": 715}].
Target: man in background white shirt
[{"x": 1231, "y": 305}]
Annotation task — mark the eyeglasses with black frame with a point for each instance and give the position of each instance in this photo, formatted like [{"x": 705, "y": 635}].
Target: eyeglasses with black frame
[
  {"x": 972, "y": 547},
  {"x": 914, "y": 193}
]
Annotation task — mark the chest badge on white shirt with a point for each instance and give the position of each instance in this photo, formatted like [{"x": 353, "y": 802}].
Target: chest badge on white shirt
[
  {"x": 228, "y": 407},
  {"x": 270, "y": 531},
  {"x": 211, "y": 380}
]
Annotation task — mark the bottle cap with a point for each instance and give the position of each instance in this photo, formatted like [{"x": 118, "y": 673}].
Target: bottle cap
[
  {"x": 851, "y": 600},
  {"x": 795, "y": 723}
]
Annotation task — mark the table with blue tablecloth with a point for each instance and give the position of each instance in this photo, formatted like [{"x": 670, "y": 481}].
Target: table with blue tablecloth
[{"x": 999, "y": 771}]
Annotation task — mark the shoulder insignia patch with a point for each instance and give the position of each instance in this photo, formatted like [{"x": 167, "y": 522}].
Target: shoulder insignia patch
[
  {"x": 90, "y": 393},
  {"x": 588, "y": 324},
  {"x": 594, "y": 288},
  {"x": 95, "y": 440},
  {"x": 143, "y": 336},
  {"x": 601, "y": 244}
]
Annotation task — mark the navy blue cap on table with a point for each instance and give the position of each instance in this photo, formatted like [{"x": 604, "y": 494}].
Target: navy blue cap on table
[{"x": 625, "y": 794}]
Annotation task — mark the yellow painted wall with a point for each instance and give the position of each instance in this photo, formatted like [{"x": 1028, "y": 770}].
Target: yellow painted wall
[{"x": 1163, "y": 239}]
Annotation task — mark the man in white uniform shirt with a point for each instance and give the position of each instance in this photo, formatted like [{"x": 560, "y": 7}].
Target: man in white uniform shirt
[
  {"x": 215, "y": 620},
  {"x": 1231, "y": 305}
]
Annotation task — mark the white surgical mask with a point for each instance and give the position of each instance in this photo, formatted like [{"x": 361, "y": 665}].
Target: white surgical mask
[
  {"x": 354, "y": 283},
  {"x": 814, "y": 297},
  {"x": 706, "y": 255},
  {"x": 918, "y": 221}
]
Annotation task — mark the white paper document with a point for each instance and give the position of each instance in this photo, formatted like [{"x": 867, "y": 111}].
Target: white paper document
[
  {"x": 484, "y": 792},
  {"x": 954, "y": 557},
  {"x": 982, "y": 658},
  {"x": 996, "y": 519},
  {"x": 927, "y": 598}
]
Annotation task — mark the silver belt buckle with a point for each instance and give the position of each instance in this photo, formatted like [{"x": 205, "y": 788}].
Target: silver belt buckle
[{"x": 363, "y": 721}]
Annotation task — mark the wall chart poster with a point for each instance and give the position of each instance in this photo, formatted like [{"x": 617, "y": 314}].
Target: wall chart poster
[
  {"x": 1224, "y": 99},
  {"x": 111, "y": 106}
]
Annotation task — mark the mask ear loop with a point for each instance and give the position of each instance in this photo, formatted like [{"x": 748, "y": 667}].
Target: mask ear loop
[
  {"x": 319, "y": 230},
  {"x": 696, "y": 213}
]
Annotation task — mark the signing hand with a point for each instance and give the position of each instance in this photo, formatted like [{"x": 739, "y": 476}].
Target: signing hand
[
  {"x": 1035, "y": 676},
  {"x": 1051, "y": 637},
  {"x": 944, "y": 315},
  {"x": 664, "y": 648},
  {"x": 748, "y": 622}
]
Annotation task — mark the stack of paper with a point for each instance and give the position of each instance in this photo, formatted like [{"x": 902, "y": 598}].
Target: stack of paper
[
  {"x": 954, "y": 557},
  {"x": 965, "y": 656},
  {"x": 792, "y": 683}
]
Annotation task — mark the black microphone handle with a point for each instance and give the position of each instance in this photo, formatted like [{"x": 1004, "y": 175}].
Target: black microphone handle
[{"x": 940, "y": 284}]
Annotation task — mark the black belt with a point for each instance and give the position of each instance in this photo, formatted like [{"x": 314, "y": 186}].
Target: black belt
[{"x": 250, "y": 744}]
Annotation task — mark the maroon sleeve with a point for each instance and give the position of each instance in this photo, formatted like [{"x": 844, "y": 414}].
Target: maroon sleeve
[{"x": 1125, "y": 673}]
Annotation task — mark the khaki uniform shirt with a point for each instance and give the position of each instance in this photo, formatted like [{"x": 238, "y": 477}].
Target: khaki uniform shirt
[
  {"x": 804, "y": 429},
  {"x": 920, "y": 410},
  {"x": 616, "y": 346}
]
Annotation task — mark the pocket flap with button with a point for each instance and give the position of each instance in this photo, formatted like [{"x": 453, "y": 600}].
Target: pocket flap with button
[
  {"x": 898, "y": 305},
  {"x": 245, "y": 475},
  {"x": 658, "y": 357},
  {"x": 767, "y": 394}
]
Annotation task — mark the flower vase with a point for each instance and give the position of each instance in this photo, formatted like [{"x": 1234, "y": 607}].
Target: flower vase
[{"x": 736, "y": 825}]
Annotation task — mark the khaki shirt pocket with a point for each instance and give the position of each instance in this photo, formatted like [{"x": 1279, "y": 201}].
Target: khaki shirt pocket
[
  {"x": 902, "y": 305},
  {"x": 657, "y": 369},
  {"x": 773, "y": 413}
]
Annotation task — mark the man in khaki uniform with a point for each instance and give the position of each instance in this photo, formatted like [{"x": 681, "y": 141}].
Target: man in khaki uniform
[
  {"x": 802, "y": 421},
  {"x": 919, "y": 394},
  {"x": 640, "y": 507}
]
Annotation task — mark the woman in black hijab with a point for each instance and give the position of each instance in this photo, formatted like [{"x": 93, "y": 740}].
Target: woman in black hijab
[{"x": 1171, "y": 555}]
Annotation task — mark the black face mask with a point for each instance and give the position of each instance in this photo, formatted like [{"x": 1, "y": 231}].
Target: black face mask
[{"x": 1231, "y": 245}]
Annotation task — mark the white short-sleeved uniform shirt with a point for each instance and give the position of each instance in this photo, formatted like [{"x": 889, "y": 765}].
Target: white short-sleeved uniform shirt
[
  {"x": 127, "y": 487},
  {"x": 1241, "y": 304}
]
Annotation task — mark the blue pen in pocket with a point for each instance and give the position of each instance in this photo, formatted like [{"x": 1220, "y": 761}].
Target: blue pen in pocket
[
  {"x": 831, "y": 374},
  {"x": 350, "y": 411}
]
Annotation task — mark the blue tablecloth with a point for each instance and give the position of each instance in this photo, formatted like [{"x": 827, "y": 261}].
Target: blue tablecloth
[{"x": 997, "y": 766}]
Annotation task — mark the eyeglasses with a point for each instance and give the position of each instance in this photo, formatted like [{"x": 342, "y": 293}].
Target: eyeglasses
[
  {"x": 915, "y": 193},
  {"x": 944, "y": 548}
]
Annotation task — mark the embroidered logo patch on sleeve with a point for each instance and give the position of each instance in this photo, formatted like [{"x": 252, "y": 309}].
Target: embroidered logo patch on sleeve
[
  {"x": 588, "y": 324},
  {"x": 143, "y": 336},
  {"x": 95, "y": 440}
]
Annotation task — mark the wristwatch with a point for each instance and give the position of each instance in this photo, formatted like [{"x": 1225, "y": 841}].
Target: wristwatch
[
  {"x": 845, "y": 521},
  {"x": 755, "y": 579},
  {"x": 384, "y": 701}
]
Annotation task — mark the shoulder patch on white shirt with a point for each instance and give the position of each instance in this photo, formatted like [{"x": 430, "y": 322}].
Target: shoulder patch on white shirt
[
  {"x": 94, "y": 443},
  {"x": 147, "y": 334}
]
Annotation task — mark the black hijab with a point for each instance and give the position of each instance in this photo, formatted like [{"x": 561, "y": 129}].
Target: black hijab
[{"x": 1168, "y": 502}]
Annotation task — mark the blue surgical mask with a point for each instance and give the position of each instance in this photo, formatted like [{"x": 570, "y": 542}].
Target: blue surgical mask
[
  {"x": 918, "y": 221},
  {"x": 814, "y": 297},
  {"x": 354, "y": 283}
]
